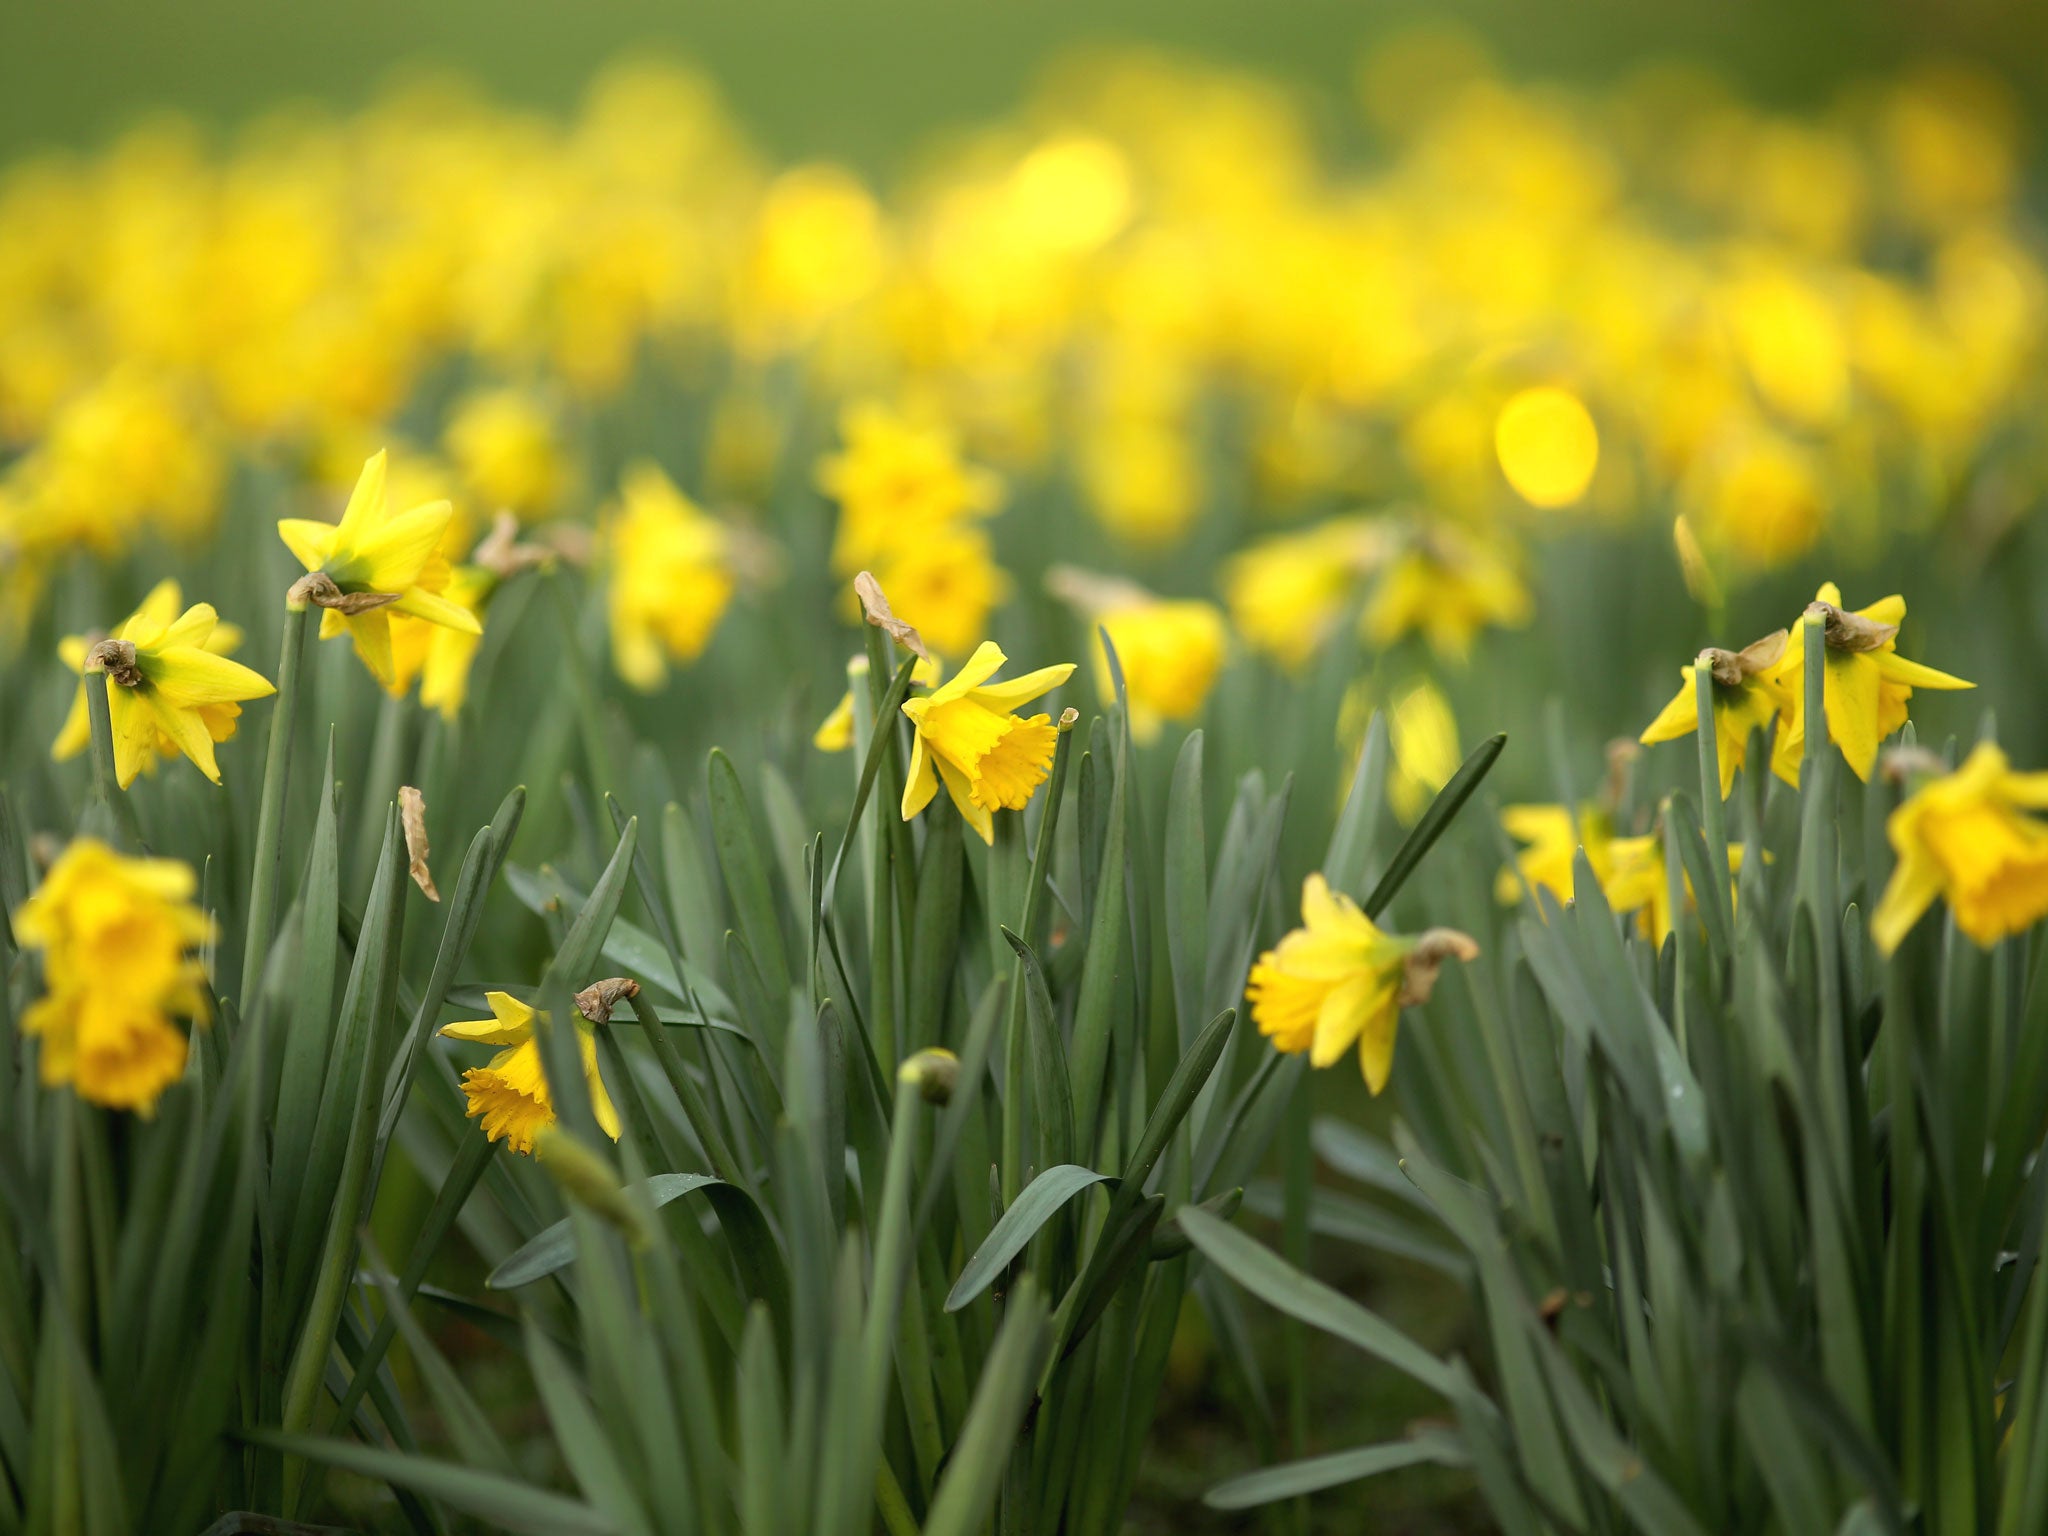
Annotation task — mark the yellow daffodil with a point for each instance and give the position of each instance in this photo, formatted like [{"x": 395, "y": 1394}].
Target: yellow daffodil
[
  {"x": 168, "y": 688},
  {"x": 1445, "y": 588},
  {"x": 1866, "y": 684},
  {"x": 380, "y": 564},
  {"x": 898, "y": 482},
  {"x": 671, "y": 576},
  {"x": 156, "y": 612},
  {"x": 1746, "y": 699},
  {"x": 1338, "y": 981},
  {"x": 1552, "y": 837},
  {"x": 966, "y": 734},
  {"x": 1287, "y": 593},
  {"x": 1423, "y": 734},
  {"x": 946, "y": 584},
  {"x": 510, "y": 1094},
  {"x": 504, "y": 445},
  {"x": 116, "y": 936},
  {"x": 1964, "y": 837},
  {"x": 1636, "y": 882},
  {"x": 437, "y": 656},
  {"x": 1170, "y": 649}
]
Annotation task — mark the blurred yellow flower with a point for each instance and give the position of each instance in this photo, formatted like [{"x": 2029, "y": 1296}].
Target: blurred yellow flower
[
  {"x": 504, "y": 444},
  {"x": 1552, "y": 837},
  {"x": 374, "y": 554},
  {"x": 1637, "y": 881},
  {"x": 897, "y": 483},
  {"x": 947, "y": 584},
  {"x": 438, "y": 657},
  {"x": 1170, "y": 649},
  {"x": 1865, "y": 686},
  {"x": 671, "y": 576},
  {"x": 116, "y": 936},
  {"x": 1423, "y": 734},
  {"x": 1337, "y": 982},
  {"x": 1287, "y": 593},
  {"x": 1547, "y": 445},
  {"x": 510, "y": 1093},
  {"x": 1965, "y": 837},
  {"x": 990, "y": 758},
  {"x": 1143, "y": 478},
  {"x": 835, "y": 731},
  {"x": 1445, "y": 587}
]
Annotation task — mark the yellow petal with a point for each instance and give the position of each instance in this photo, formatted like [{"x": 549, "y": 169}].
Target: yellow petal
[
  {"x": 1915, "y": 882},
  {"x": 189, "y": 675},
  {"x": 1913, "y": 674},
  {"x": 962, "y": 792},
  {"x": 365, "y": 512},
  {"x": 1851, "y": 692},
  {"x": 309, "y": 541},
  {"x": 422, "y": 604},
  {"x": 1678, "y": 719},
  {"x": 391, "y": 558},
  {"x": 1021, "y": 690},
  {"x": 188, "y": 730},
  {"x": 134, "y": 726},
  {"x": 921, "y": 783},
  {"x": 987, "y": 660}
]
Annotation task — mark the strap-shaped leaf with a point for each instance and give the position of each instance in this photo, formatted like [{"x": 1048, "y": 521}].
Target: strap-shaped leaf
[
  {"x": 1294, "y": 1478},
  {"x": 1018, "y": 1225},
  {"x": 1422, "y": 837}
]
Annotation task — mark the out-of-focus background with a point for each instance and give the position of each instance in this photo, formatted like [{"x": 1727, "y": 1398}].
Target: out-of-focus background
[
  {"x": 863, "y": 82},
  {"x": 876, "y": 85}
]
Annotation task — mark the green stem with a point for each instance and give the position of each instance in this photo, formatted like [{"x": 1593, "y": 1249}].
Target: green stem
[
  {"x": 1713, "y": 811},
  {"x": 1015, "y": 1051},
  {"x": 265, "y": 870},
  {"x": 1815, "y": 636}
]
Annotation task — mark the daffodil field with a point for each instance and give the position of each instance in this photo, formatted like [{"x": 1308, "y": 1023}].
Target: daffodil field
[{"x": 681, "y": 837}]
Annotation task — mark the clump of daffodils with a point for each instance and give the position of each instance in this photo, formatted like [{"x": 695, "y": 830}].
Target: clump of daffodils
[
  {"x": 1338, "y": 983},
  {"x": 116, "y": 936}
]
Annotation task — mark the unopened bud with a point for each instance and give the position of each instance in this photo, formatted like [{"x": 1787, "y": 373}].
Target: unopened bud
[
  {"x": 587, "y": 1177},
  {"x": 935, "y": 1071}
]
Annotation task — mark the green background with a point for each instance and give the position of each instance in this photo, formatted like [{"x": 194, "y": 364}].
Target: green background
[{"x": 860, "y": 81}]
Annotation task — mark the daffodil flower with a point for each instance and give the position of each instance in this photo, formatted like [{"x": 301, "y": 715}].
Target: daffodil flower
[
  {"x": 1866, "y": 684},
  {"x": 510, "y": 1093},
  {"x": 1962, "y": 836},
  {"x": 155, "y": 613},
  {"x": 169, "y": 690},
  {"x": 377, "y": 560},
  {"x": 671, "y": 576},
  {"x": 1337, "y": 982},
  {"x": 1746, "y": 699},
  {"x": 1552, "y": 837},
  {"x": 1636, "y": 882},
  {"x": 990, "y": 758}
]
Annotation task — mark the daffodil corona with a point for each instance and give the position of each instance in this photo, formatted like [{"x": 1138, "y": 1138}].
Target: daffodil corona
[
  {"x": 1338, "y": 982},
  {"x": 967, "y": 734},
  {"x": 510, "y": 1093}
]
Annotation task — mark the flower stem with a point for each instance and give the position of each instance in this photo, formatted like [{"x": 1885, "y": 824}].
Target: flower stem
[
  {"x": 589, "y": 706},
  {"x": 1814, "y": 634},
  {"x": 277, "y": 765},
  {"x": 1016, "y": 1052},
  {"x": 1713, "y": 810}
]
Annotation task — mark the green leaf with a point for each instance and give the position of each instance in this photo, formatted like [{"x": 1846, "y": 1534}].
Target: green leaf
[
  {"x": 967, "y": 1491},
  {"x": 1187, "y": 886},
  {"x": 309, "y": 1044},
  {"x": 508, "y": 1505},
  {"x": 1177, "y": 1099},
  {"x": 1277, "y": 1283},
  {"x": 1448, "y": 802},
  {"x": 1041, "y": 1199},
  {"x": 1351, "y": 841},
  {"x": 1295, "y": 1478},
  {"x": 575, "y": 962},
  {"x": 1052, "y": 1097},
  {"x": 746, "y": 874}
]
